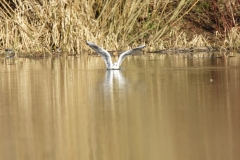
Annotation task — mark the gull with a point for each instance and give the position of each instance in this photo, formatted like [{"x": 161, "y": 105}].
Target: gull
[
  {"x": 113, "y": 82},
  {"x": 107, "y": 57}
]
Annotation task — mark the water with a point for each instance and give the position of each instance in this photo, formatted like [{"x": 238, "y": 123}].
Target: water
[{"x": 156, "y": 107}]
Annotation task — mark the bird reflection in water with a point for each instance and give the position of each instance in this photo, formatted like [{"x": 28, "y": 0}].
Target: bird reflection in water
[{"x": 113, "y": 87}]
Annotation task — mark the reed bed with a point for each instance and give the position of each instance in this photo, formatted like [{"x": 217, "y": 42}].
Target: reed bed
[{"x": 37, "y": 26}]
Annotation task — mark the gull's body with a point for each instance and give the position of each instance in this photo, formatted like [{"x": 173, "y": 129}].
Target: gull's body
[{"x": 107, "y": 57}]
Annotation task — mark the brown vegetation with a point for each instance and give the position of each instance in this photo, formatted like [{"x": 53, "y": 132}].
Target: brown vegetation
[{"x": 37, "y": 26}]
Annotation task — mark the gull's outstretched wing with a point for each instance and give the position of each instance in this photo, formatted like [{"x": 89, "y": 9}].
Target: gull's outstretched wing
[
  {"x": 105, "y": 55},
  {"x": 123, "y": 55}
]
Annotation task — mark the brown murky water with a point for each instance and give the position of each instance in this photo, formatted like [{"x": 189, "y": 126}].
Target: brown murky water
[{"x": 156, "y": 107}]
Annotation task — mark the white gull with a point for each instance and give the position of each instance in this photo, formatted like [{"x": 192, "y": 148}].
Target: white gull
[{"x": 107, "y": 57}]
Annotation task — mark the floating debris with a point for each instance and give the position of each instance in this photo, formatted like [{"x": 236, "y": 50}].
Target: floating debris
[{"x": 9, "y": 53}]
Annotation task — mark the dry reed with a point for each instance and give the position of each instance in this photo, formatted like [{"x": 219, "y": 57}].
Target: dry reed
[
  {"x": 37, "y": 26},
  {"x": 31, "y": 26}
]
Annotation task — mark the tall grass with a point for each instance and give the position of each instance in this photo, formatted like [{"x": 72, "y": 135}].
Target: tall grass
[{"x": 38, "y": 25}]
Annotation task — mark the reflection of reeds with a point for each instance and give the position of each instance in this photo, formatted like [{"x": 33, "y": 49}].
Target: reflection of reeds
[{"x": 37, "y": 25}]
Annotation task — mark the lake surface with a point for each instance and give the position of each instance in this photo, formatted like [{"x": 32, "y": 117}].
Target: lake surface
[{"x": 156, "y": 107}]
